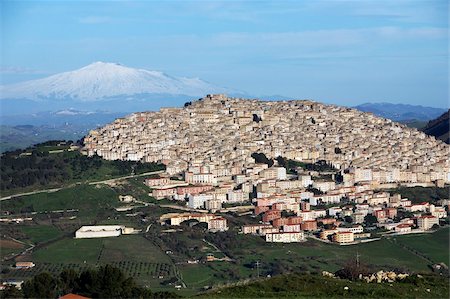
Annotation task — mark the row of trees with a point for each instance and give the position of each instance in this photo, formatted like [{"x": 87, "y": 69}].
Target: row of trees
[{"x": 104, "y": 282}]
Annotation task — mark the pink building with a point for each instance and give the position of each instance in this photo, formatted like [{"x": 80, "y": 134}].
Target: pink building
[
  {"x": 192, "y": 189},
  {"x": 271, "y": 215}
]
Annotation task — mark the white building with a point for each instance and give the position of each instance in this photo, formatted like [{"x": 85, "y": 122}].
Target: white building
[
  {"x": 198, "y": 200},
  {"x": 285, "y": 237},
  {"x": 99, "y": 231}
]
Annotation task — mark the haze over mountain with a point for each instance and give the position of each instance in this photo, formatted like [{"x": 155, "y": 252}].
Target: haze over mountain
[{"x": 401, "y": 112}]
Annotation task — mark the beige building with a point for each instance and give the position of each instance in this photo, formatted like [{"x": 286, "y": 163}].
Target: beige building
[{"x": 344, "y": 237}]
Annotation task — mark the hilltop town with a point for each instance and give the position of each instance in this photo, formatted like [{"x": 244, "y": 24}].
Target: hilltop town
[{"x": 301, "y": 165}]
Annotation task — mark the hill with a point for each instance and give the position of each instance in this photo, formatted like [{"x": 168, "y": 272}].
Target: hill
[
  {"x": 224, "y": 132},
  {"x": 439, "y": 127},
  {"x": 401, "y": 112},
  {"x": 315, "y": 286}
]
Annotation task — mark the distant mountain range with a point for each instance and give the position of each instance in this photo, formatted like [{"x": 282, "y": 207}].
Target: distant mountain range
[
  {"x": 439, "y": 127},
  {"x": 401, "y": 112}
]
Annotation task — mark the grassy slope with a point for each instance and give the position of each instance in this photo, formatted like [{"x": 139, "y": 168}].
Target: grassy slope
[
  {"x": 314, "y": 286},
  {"x": 40, "y": 233},
  {"x": 435, "y": 246},
  {"x": 88, "y": 199}
]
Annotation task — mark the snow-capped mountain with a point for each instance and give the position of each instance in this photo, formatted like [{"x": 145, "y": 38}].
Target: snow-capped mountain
[{"x": 101, "y": 80}]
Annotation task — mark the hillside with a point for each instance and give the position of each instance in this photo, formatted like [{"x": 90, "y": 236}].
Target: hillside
[
  {"x": 59, "y": 163},
  {"x": 224, "y": 132},
  {"x": 439, "y": 127},
  {"x": 308, "y": 286}
]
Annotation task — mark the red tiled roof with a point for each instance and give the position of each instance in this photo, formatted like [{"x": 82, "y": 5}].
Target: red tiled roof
[{"x": 73, "y": 296}]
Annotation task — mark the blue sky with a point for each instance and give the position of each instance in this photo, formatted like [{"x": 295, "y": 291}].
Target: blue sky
[{"x": 343, "y": 52}]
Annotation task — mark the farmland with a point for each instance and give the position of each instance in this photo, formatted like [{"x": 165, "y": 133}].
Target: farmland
[{"x": 161, "y": 260}]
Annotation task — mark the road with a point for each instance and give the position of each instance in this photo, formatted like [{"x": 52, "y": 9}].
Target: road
[{"x": 90, "y": 183}]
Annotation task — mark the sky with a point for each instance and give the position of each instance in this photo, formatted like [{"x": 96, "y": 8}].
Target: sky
[{"x": 335, "y": 51}]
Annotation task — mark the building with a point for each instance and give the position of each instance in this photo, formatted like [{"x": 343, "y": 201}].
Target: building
[
  {"x": 152, "y": 182},
  {"x": 200, "y": 178},
  {"x": 291, "y": 228},
  {"x": 213, "y": 205},
  {"x": 254, "y": 228},
  {"x": 285, "y": 237},
  {"x": 403, "y": 228},
  {"x": 198, "y": 200},
  {"x": 99, "y": 231},
  {"x": 24, "y": 265},
  {"x": 354, "y": 229},
  {"x": 177, "y": 219},
  {"x": 271, "y": 215},
  {"x": 218, "y": 224},
  {"x": 309, "y": 225},
  {"x": 344, "y": 237},
  {"x": 427, "y": 221},
  {"x": 162, "y": 192}
]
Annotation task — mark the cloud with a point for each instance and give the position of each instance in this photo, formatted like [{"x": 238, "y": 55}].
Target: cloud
[{"x": 94, "y": 20}]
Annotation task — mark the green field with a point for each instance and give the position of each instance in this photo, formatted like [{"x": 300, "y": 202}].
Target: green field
[
  {"x": 434, "y": 246},
  {"x": 91, "y": 200},
  {"x": 41, "y": 233}
]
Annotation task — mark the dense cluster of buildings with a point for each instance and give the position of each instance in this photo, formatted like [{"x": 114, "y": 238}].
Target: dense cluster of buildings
[{"x": 210, "y": 143}]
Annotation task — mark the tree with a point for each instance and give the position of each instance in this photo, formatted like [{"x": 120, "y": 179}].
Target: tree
[
  {"x": 348, "y": 219},
  {"x": 352, "y": 269},
  {"x": 42, "y": 285},
  {"x": 261, "y": 158},
  {"x": 11, "y": 292},
  {"x": 370, "y": 219}
]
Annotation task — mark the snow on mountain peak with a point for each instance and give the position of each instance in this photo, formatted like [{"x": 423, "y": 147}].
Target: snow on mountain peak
[{"x": 105, "y": 80}]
